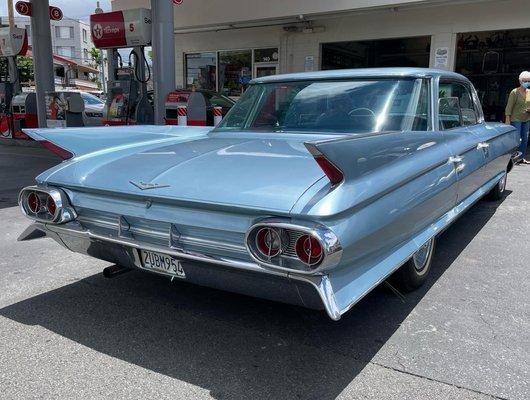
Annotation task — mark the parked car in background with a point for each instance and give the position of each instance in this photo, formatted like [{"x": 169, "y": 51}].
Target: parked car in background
[
  {"x": 93, "y": 115},
  {"x": 314, "y": 189}
]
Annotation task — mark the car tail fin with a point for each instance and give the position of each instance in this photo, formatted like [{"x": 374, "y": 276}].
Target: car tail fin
[
  {"x": 334, "y": 173},
  {"x": 63, "y": 153},
  {"x": 75, "y": 142}
]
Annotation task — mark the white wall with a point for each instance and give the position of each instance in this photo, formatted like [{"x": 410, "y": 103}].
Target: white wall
[
  {"x": 441, "y": 22},
  {"x": 193, "y": 13}
]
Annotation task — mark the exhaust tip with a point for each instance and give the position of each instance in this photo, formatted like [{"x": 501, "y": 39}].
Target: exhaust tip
[{"x": 114, "y": 270}]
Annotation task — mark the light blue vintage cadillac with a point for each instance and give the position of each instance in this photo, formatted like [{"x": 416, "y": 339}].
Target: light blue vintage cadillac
[{"x": 313, "y": 190}]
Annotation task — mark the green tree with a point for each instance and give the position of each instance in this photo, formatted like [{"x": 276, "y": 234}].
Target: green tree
[
  {"x": 96, "y": 56},
  {"x": 25, "y": 69}
]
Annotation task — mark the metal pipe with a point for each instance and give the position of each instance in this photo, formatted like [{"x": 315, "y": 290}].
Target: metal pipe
[
  {"x": 163, "y": 54},
  {"x": 114, "y": 270},
  {"x": 42, "y": 55},
  {"x": 10, "y": 13}
]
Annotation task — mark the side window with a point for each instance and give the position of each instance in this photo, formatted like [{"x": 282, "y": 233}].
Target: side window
[{"x": 455, "y": 106}]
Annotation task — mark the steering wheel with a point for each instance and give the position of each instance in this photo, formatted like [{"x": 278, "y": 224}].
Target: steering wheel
[{"x": 355, "y": 112}]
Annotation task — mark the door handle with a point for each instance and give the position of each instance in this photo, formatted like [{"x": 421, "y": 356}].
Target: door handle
[
  {"x": 483, "y": 145},
  {"x": 457, "y": 161}
]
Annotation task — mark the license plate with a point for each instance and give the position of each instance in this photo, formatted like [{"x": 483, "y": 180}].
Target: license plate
[{"x": 162, "y": 263}]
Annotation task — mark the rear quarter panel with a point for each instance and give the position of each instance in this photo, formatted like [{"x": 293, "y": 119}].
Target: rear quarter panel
[{"x": 395, "y": 185}]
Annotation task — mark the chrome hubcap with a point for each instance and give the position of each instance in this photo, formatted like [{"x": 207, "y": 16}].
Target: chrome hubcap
[{"x": 422, "y": 256}]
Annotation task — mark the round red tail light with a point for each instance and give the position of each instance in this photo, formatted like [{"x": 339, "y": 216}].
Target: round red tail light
[
  {"x": 309, "y": 250},
  {"x": 33, "y": 202},
  {"x": 51, "y": 206},
  {"x": 268, "y": 242}
]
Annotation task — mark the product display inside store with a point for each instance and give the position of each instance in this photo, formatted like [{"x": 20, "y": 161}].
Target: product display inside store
[{"x": 493, "y": 60}]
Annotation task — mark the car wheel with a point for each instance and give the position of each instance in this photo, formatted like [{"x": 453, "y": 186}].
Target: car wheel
[
  {"x": 497, "y": 193},
  {"x": 414, "y": 272}
]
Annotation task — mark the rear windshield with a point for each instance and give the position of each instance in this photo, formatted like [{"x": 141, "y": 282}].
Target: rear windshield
[{"x": 352, "y": 106}]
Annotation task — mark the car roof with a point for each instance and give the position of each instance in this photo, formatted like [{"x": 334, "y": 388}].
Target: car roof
[{"x": 361, "y": 73}]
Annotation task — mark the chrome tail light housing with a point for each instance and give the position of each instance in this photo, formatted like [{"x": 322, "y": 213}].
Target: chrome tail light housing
[
  {"x": 44, "y": 204},
  {"x": 296, "y": 247}
]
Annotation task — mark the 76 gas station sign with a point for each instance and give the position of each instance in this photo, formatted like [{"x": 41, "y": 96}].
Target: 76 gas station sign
[{"x": 24, "y": 8}]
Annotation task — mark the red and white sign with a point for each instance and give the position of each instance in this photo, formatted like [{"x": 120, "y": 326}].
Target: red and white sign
[
  {"x": 182, "y": 115},
  {"x": 56, "y": 13},
  {"x": 23, "y": 8},
  {"x": 217, "y": 115},
  {"x": 125, "y": 28},
  {"x": 178, "y": 2},
  {"x": 13, "y": 42}
]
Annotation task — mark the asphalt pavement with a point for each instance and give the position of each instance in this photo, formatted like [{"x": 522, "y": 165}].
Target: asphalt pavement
[{"x": 66, "y": 332}]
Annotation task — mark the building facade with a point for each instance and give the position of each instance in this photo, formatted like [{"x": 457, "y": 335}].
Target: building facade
[
  {"x": 223, "y": 47},
  {"x": 71, "y": 46}
]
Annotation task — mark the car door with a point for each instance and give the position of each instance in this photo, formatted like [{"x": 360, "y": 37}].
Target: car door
[
  {"x": 495, "y": 141},
  {"x": 456, "y": 114}
]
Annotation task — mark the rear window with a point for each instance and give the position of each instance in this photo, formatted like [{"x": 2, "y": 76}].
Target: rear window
[{"x": 352, "y": 106}]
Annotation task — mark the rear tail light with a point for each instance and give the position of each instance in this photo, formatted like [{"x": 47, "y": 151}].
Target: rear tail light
[
  {"x": 268, "y": 242},
  {"x": 51, "y": 205},
  {"x": 64, "y": 154},
  {"x": 303, "y": 247},
  {"x": 45, "y": 204},
  {"x": 33, "y": 202},
  {"x": 334, "y": 174},
  {"x": 309, "y": 250}
]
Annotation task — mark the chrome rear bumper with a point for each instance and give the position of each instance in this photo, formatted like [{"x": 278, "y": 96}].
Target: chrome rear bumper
[{"x": 239, "y": 276}]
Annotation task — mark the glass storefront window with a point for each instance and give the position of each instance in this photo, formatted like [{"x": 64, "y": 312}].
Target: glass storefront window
[
  {"x": 266, "y": 55},
  {"x": 201, "y": 71},
  {"x": 235, "y": 71}
]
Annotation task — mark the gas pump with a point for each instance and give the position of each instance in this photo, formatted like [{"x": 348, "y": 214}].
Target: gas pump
[
  {"x": 13, "y": 42},
  {"x": 64, "y": 109},
  {"x": 24, "y": 107},
  {"x": 127, "y": 101}
]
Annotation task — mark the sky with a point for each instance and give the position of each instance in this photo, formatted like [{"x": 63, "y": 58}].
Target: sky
[{"x": 78, "y": 9}]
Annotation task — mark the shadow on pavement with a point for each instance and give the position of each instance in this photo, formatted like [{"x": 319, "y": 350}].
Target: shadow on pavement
[
  {"x": 18, "y": 168},
  {"x": 234, "y": 346}
]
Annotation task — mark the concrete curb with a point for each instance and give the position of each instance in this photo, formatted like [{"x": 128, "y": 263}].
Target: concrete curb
[{"x": 18, "y": 142}]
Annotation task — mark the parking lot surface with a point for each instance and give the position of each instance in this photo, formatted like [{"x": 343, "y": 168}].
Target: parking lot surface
[{"x": 67, "y": 332}]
